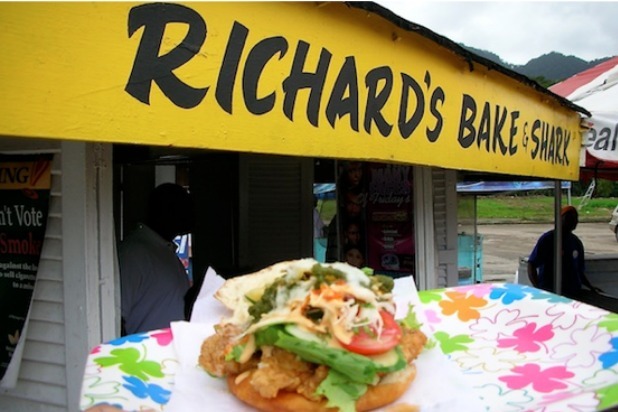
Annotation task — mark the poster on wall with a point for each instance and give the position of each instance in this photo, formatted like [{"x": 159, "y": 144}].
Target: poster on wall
[
  {"x": 25, "y": 183},
  {"x": 389, "y": 219},
  {"x": 375, "y": 217}
]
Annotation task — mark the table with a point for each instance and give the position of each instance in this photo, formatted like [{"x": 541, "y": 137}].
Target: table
[{"x": 520, "y": 348}]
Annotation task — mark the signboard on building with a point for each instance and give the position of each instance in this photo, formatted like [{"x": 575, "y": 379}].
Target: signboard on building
[{"x": 298, "y": 78}]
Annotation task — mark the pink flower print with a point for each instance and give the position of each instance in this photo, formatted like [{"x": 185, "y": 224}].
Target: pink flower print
[
  {"x": 164, "y": 337},
  {"x": 528, "y": 339},
  {"x": 543, "y": 381},
  {"x": 479, "y": 290},
  {"x": 432, "y": 316},
  {"x": 95, "y": 350},
  {"x": 569, "y": 401},
  {"x": 498, "y": 325}
]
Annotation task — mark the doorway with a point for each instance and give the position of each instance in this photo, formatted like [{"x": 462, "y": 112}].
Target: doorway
[{"x": 250, "y": 210}]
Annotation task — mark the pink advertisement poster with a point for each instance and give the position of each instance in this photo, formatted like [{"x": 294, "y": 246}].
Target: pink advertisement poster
[{"x": 390, "y": 219}]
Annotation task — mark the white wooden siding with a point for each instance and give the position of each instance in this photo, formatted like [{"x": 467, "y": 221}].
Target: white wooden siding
[
  {"x": 88, "y": 259},
  {"x": 80, "y": 265},
  {"x": 424, "y": 232},
  {"x": 445, "y": 224}
]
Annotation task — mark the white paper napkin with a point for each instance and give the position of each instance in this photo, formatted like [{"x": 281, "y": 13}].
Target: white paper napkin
[
  {"x": 439, "y": 386},
  {"x": 206, "y": 306}
]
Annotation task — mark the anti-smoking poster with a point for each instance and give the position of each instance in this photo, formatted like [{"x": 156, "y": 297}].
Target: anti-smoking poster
[{"x": 25, "y": 183}]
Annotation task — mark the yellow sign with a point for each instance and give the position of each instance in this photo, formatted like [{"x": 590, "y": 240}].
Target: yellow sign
[
  {"x": 300, "y": 78},
  {"x": 31, "y": 175}
]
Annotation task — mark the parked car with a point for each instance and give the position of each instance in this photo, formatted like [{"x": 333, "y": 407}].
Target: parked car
[{"x": 613, "y": 224}]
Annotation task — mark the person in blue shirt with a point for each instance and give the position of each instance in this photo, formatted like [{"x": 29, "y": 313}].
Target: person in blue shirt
[
  {"x": 541, "y": 260},
  {"x": 153, "y": 280}
]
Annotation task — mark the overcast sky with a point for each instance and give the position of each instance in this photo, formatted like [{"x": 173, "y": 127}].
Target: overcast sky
[{"x": 519, "y": 31}]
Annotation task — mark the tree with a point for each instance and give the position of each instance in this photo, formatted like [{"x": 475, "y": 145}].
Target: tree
[{"x": 543, "y": 81}]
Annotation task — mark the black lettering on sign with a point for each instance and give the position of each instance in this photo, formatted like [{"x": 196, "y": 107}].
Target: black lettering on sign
[
  {"x": 551, "y": 152},
  {"x": 344, "y": 97},
  {"x": 560, "y": 140},
  {"x": 544, "y": 139},
  {"x": 377, "y": 97},
  {"x": 489, "y": 132},
  {"x": 407, "y": 126},
  {"x": 513, "y": 132},
  {"x": 245, "y": 64},
  {"x": 501, "y": 114},
  {"x": 229, "y": 67},
  {"x": 603, "y": 139},
  {"x": 260, "y": 54},
  {"x": 565, "y": 145},
  {"x": 149, "y": 67},
  {"x": 550, "y": 143},
  {"x": 437, "y": 97},
  {"x": 467, "y": 132},
  {"x": 536, "y": 140},
  {"x": 299, "y": 79},
  {"x": 484, "y": 127},
  {"x": 14, "y": 174}
]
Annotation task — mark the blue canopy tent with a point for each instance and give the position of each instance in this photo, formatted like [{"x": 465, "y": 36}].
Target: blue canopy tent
[
  {"x": 324, "y": 191},
  {"x": 498, "y": 186}
]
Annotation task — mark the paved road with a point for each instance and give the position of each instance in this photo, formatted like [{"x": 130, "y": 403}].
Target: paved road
[{"x": 503, "y": 245}]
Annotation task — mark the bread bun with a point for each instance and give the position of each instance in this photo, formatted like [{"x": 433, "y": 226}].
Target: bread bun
[
  {"x": 234, "y": 291},
  {"x": 390, "y": 388}
]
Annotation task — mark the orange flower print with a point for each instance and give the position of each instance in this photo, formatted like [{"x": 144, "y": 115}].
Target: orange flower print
[{"x": 463, "y": 305}]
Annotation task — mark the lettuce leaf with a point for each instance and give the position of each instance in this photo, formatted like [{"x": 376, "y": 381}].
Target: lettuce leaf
[
  {"x": 235, "y": 353},
  {"x": 411, "y": 321},
  {"x": 340, "y": 392},
  {"x": 349, "y": 373},
  {"x": 356, "y": 368}
]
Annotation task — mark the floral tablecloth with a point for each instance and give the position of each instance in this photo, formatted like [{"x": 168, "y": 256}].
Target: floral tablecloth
[
  {"x": 520, "y": 348},
  {"x": 526, "y": 349},
  {"x": 133, "y": 373}
]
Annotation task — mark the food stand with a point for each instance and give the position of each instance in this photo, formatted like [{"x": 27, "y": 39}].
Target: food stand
[{"x": 284, "y": 80}]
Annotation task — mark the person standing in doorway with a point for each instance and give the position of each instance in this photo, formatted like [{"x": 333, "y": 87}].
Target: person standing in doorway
[
  {"x": 153, "y": 280},
  {"x": 541, "y": 260}
]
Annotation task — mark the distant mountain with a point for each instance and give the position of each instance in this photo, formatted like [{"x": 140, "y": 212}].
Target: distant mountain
[
  {"x": 488, "y": 55},
  {"x": 546, "y": 69},
  {"x": 554, "y": 66}
]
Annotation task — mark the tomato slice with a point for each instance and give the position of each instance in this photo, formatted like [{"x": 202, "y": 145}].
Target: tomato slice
[{"x": 365, "y": 343}]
